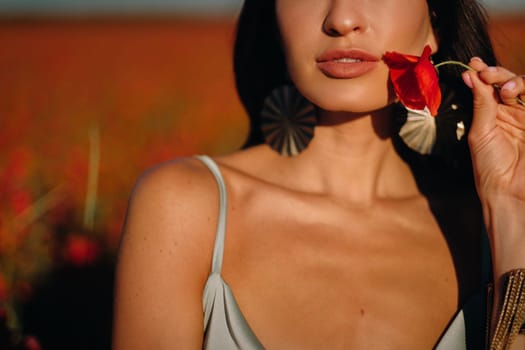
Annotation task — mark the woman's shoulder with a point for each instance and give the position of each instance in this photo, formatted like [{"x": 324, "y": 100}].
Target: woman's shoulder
[
  {"x": 165, "y": 255},
  {"x": 175, "y": 204},
  {"x": 175, "y": 186},
  {"x": 173, "y": 178},
  {"x": 189, "y": 180},
  {"x": 186, "y": 185},
  {"x": 183, "y": 193}
]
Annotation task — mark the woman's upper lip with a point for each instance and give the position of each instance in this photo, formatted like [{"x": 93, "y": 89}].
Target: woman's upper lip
[{"x": 352, "y": 54}]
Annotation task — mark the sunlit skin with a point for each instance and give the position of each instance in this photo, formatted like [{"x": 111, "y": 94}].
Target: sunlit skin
[
  {"x": 310, "y": 27},
  {"x": 335, "y": 248}
]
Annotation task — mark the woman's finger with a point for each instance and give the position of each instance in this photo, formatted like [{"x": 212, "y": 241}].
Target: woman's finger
[
  {"x": 477, "y": 64},
  {"x": 495, "y": 75},
  {"x": 508, "y": 85},
  {"x": 485, "y": 105},
  {"x": 512, "y": 92}
]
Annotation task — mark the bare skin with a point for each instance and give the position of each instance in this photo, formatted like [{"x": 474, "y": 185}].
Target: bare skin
[
  {"x": 338, "y": 247},
  {"x": 296, "y": 246},
  {"x": 325, "y": 255}
]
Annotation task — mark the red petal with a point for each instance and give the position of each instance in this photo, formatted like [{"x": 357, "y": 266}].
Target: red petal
[
  {"x": 415, "y": 80},
  {"x": 80, "y": 250},
  {"x": 396, "y": 60},
  {"x": 428, "y": 82}
]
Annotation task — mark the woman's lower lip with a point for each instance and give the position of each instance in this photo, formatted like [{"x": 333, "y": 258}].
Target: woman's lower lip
[{"x": 346, "y": 70}]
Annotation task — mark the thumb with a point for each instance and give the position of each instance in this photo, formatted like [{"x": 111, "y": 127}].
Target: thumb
[{"x": 485, "y": 105}]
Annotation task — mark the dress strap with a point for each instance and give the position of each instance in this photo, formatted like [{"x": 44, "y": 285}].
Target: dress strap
[{"x": 218, "y": 249}]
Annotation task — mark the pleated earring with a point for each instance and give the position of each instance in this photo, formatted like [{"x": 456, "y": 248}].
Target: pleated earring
[
  {"x": 288, "y": 121},
  {"x": 440, "y": 134}
]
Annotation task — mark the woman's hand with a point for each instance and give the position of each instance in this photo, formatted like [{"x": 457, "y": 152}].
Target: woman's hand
[{"x": 497, "y": 144}]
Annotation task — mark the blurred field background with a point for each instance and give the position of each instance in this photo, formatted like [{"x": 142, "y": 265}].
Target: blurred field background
[{"x": 86, "y": 104}]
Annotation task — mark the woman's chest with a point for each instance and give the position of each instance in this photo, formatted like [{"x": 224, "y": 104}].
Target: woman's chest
[{"x": 360, "y": 281}]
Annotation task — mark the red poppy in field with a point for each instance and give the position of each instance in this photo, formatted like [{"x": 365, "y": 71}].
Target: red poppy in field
[
  {"x": 14, "y": 176},
  {"x": 3, "y": 290},
  {"x": 80, "y": 250},
  {"x": 415, "y": 80},
  {"x": 31, "y": 343}
]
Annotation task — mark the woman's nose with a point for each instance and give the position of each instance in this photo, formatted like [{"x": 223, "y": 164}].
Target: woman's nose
[{"x": 344, "y": 17}]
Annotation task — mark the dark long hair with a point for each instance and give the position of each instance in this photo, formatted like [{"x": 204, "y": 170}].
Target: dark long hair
[{"x": 259, "y": 61}]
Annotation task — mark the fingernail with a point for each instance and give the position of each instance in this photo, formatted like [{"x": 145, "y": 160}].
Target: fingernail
[
  {"x": 509, "y": 85},
  {"x": 468, "y": 80},
  {"x": 491, "y": 69},
  {"x": 475, "y": 58}
]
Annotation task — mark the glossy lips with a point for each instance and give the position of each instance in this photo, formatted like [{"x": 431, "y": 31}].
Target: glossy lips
[{"x": 346, "y": 64}]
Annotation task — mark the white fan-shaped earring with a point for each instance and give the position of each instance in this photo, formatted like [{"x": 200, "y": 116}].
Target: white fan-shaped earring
[
  {"x": 419, "y": 131},
  {"x": 288, "y": 121}
]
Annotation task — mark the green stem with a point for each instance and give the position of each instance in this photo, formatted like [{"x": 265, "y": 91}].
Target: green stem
[
  {"x": 457, "y": 63},
  {"x": 92, "y": 183},
  {"x": 38, "y": 208},
  {"x": 13, "y": 322}
]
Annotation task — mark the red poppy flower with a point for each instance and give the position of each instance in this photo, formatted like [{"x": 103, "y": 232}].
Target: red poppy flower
[
  {"x": 3, "y": 292},
  {"x": 31, "y": 343},
  {"x": 80, "y": 250},
  {"x": 415, "y": 80}
]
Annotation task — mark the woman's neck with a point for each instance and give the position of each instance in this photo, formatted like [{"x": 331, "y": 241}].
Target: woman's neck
[{"x": 353, "y": 157}]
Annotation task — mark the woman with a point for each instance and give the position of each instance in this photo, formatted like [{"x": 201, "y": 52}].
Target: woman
[{"x": 355, "y": 241}]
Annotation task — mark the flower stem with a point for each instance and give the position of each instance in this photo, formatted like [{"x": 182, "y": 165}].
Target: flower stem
[
  {"x": 457, "y": 63},
  {"x": 93, "y": 177},
  {"x": 497, "y": 87}
]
